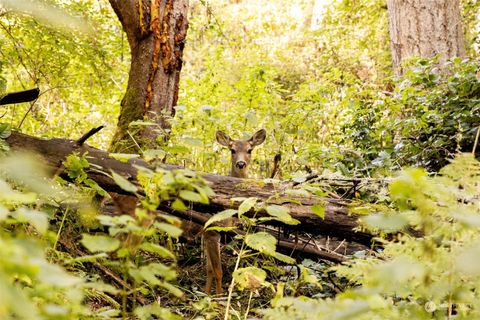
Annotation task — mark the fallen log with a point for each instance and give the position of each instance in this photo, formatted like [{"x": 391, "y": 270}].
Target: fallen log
[
  {"x": 192, "y": 226},
  {"x": 337, "y": 221}
]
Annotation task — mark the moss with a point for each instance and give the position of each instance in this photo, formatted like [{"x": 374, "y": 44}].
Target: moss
[{"x": 130, "y": 112}]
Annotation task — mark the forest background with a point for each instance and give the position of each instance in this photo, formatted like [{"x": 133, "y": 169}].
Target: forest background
[{"x": 318, "y": 76}]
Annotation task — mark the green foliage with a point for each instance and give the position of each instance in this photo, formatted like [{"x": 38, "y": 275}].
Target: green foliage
[
  {"x": 320, "y": 85},
  {"x": 427, "y": 274},
  {"x": 75, "y": 167},
  {"x": 249, "y": 277},
  {"x": 425, "y": 121},
  {"x": 440, "y": 112},
  {"x": 131, "y": 244},
  {"x": 32, "y": 286},
  {"x": 278, "y": 70},
  {"x": 81, "y": 76}
]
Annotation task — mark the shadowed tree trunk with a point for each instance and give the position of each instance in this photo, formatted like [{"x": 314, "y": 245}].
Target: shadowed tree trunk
[
  {"x": 425, "y": 28},
  {"x": 156, "y": 31}
]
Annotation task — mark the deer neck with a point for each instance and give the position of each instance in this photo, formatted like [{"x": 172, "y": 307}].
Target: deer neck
[{"x": 239, "y": 173}]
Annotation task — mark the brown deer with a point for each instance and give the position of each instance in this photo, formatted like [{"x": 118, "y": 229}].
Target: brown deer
[{"x": 241, "y": 154}]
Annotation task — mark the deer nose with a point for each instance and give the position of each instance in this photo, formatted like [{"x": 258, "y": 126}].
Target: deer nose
[{"x": 241, "y": 164}]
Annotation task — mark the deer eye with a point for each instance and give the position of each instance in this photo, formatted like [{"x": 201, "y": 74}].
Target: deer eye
[
  {"x": 233, "y": 151},
  {"x": 249, "y": 151}
]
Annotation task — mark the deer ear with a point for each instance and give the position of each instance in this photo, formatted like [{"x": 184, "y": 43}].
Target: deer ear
[
  {"x": 258, "y": 137},
  {"x": 223, "y": 138}
]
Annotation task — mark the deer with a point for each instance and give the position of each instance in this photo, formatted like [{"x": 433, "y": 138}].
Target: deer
[{"x": 241, "y": 154}]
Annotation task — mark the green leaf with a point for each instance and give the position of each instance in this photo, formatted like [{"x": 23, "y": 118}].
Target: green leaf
[
  {"x": 54, "y": 275},
  {"x": 36, "y": 218},
  {"x": 262, "y": 242},
  {"x": 5, "y": 130},
  {"x": 192, "y": 196},
  {"x": 179, "y": 205},
  {"x": 99, "y": 243},
  {"x": 152, "y": 154},
  {"x": 88, "y": 258},
  {"x": 281, "y": 214},
  {"x": 203, "y": 192},
  {"x": 158, "y": 250},
  {"x": 386, "y": 222},
  {"x": 124, "y": 157},
  {"x": 246, "y": 205},
  {"x": 94, "y": 185},
  {"x": 171, "y": 288},
  {"x": 225, "y": 214},
  {"x": 251, "y": 278},
  {"x": 284, "y": 258},
  {"x": 297, "y": 192},
  {"x": 319, "y": 210},
  {"x": 220, "y": 228},
  {"x": 169, "y": 229},
  {"x": 123, "y": 183}
]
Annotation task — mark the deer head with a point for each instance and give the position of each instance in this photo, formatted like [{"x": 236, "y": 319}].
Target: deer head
[{"x": 241, "y": 151}]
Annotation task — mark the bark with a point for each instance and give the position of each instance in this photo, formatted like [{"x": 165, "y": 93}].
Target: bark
[
  {"x": 156, "y": 32},
  {"x": 337, "y": 221},
  {"x": 425, "y": 28}
]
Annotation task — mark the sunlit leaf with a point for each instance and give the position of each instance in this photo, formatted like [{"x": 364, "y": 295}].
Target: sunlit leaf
[
  {"x": 319, "y": 210},
  {"x": 123, "y": 183},
  {"x": 261, "y": 241},
  {"x": 192, "y": 196},
  {"x": 48, "y": 14},
  {"x": 157, "y": 249},
  {"x": 124, "y": 157},
  {"x": 386, "y": 222},
  {"x": 95, "y": 243},
  {"x": 281, "y": 214},
  {"x": 467, "y": 261},
  {"x": 169, "y": 229},
  {"x": 283, "y": 258},
  {"x": 3, "y": 213},
  {"x": 221, "y": 216},
  {"x": 152, "y": 154},
  {"x": 179, "y": 205},
  {"x": 193, "y": 142},
  {"x": 246, "y": 205},
  {"x": 36, "y": 218},
  {"x": 251, "y": 278},
  {"x": 54, "y": 275},
  {"x": 5, "y": 130}
]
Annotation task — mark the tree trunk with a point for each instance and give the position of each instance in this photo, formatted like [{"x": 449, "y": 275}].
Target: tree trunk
[
  {"x": 425, "y": 28},
  {"x": 156, "y": 31}
]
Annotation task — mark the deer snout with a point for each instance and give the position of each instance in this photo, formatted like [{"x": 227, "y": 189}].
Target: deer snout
[{"x": 241, "y": 164}]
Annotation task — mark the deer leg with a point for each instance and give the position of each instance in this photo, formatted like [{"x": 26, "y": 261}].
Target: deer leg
[
  {"x": 211, "y": 241},
  {"x": 208, "y": 285},
  {"x": 218, "y": 278}
]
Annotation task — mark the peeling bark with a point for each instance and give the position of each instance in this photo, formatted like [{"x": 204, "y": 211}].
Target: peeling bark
[{"x": 156, "y": 32}]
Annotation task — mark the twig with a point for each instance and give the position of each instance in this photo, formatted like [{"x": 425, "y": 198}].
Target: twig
[
  {"x": 276, "y": 165},
  {"x": 476, "y": 141},
  {"x": 87, "y": 135},
  {"x": 78, "y": 144}
]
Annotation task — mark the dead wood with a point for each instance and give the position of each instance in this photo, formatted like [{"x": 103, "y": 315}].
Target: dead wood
[{"x": 336, "y": 223}]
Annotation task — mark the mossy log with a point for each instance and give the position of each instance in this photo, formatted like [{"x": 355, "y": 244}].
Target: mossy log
[{"x": 337, "y": 222}]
